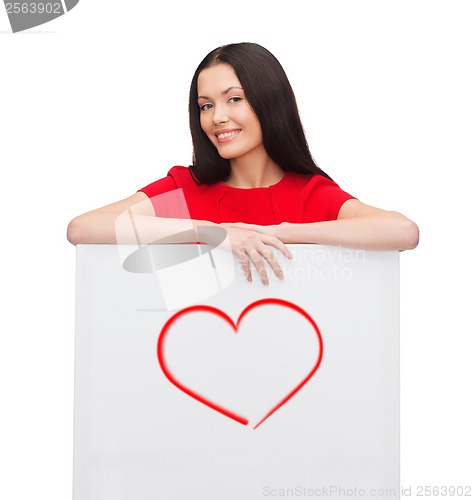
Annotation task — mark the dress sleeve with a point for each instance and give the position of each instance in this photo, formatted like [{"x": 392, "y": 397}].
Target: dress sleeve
[
  {"x": 167, "y": 197},
  {"x": 323, "y": 199}
]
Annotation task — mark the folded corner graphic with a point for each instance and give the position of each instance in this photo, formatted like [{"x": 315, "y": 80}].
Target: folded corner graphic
[
  {"x": 187, "y": 274},
  {"x": 28, "y": 14}
]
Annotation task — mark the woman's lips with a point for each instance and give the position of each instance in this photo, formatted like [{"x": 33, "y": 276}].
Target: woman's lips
[{"x": 226, "y": 135}]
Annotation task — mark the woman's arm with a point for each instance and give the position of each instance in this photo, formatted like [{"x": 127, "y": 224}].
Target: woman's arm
[
  {"x": 130, "y": 220},
  {"x": 133, "y": 220},
  {"x": 358, "y": 226}
]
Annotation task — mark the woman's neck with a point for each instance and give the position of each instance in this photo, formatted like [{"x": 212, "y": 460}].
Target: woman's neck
[{"x": 248, "y": 174}]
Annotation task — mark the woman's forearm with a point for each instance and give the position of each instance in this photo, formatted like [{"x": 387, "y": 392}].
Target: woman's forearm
[
  {"x": 386, "y": 231},
  {"x": 126, "y": 227},
  {"x": 129, "y": 228}
]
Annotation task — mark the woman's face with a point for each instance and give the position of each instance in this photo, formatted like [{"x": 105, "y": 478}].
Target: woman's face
[{"x": 225, "y": 115}]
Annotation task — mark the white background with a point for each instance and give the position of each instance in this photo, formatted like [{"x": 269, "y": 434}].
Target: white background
[{"x": 93, "y": 106}]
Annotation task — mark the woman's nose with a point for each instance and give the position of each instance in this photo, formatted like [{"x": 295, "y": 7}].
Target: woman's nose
[{"x": 219, "y": 116}]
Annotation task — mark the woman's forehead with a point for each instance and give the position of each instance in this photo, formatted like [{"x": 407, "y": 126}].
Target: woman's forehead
[{"x": 218, "y": 78}]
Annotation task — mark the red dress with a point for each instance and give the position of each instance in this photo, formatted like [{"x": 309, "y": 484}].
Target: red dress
[{"x": 296, "y": 198}]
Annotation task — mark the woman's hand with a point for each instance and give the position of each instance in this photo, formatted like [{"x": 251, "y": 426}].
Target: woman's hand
[{"x": 251, "y": 245}]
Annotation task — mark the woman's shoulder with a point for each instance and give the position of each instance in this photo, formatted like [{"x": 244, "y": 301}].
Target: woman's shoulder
[
  {"x": 186, "y": 179},
  {"x": 316, "y": 190},
  {"x": 177, "y": 177},
  {"x": 308, "y": 182},
  {"x": 182, "y": 176}
]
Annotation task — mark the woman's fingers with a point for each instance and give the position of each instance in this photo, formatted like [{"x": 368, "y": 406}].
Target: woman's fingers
[
  {"x": 277, "y": 243},
  {"x": 245, "y": 265},
  {"x": 254, "y": 248},
  {"x": 269, "y": 256},
  {"x": 257, "y": 259}
]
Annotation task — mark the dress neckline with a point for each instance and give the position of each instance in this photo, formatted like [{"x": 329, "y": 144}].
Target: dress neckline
[{"x": 279, "y": 183}]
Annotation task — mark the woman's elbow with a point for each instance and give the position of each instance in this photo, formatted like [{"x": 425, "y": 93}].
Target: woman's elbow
[
  {"x": 410, "y": 235},
  {"x": 75, "y": 231}
]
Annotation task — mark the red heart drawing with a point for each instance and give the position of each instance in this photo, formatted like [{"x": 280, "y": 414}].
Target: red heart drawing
[{"x": 215, "y": 311}]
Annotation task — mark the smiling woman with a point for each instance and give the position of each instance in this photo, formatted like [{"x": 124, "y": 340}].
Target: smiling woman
[
  {"x": 252, "y": 173},
  {"x": 229, "y": 121}
]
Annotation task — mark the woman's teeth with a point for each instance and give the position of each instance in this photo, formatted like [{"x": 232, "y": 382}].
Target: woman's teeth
[{"x": 227, "y": 134}]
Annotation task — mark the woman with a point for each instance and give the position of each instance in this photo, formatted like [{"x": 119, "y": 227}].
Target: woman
[{"x": 252, "y": 174}]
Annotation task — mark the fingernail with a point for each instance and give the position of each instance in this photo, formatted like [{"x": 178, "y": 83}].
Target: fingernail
[{"x": 280, "y": 276}]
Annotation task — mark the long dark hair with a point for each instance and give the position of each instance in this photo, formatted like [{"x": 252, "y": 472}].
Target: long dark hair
[{"x": 271, "y": 97}]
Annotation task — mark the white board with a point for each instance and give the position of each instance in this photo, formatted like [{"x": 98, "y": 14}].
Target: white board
[{"x": 253, "y": 392}]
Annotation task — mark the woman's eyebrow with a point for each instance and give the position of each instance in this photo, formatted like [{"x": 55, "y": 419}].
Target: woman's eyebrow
[
  {"x": 230, "y": 88},
  {"x": 223, "y": 93}
]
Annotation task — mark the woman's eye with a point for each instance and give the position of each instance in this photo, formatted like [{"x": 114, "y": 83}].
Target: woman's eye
[
  {"x": 235, "y": 99},
  {"x": 205, "y": 107}
]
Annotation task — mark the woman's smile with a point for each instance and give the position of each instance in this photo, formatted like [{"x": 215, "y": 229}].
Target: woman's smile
[{"x": 226, "y": 135}]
